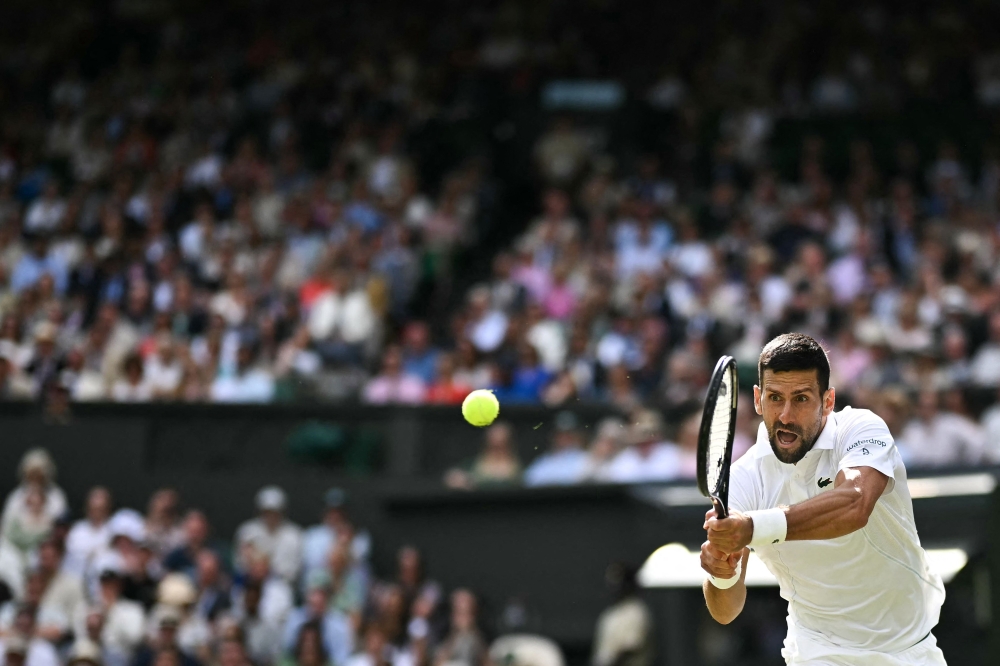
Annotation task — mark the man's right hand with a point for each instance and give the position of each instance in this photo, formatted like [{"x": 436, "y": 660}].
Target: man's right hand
[{"x": 718, "y": 563}]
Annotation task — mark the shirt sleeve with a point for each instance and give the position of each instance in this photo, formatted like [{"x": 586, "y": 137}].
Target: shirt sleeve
[{"x": 866, "y": 442}]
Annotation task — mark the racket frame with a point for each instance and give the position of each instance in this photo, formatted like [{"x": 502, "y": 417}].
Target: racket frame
[{"x": 720, "y": 494}]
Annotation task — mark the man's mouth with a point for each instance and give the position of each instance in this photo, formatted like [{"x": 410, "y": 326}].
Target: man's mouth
[{"x": 786, "y": 438}]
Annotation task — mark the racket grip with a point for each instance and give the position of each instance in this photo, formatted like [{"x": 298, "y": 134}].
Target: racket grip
[{"x": 720, "y": 508}]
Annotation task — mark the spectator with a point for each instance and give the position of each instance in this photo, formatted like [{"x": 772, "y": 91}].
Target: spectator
[
  {"x": 464, "y": 642},
  {"x": 394, "y": 384},
  {"x": 176, "y": 598},
  {"x": 497, "y": 464},
  {"x": 271, "y": 535},
  {"x": 647, "y": 457},
  {"x": 36, "y": 471},
  {"x": 348, "y": 583},
  {"x": 25, "y": 644},
  {"x": 310, "y": 648},
  {"x": 27, "y": 525},
  {"x": 419, "y": 358},
  {"x": 936, "y": 438},
  {"x": 212, "y": 585},
  {"x": 608, "y": 437},
  {"x": 624, "y": 632},
  {"x": 90, "y": 535},
  {"x": 115, "y": 622},
  {"x": 991, "y": 430},
  {"x": 63, "y": 598},
  {"x": 276, "y": 595},
  {"x": 263, "y": 637},
  {"x": 162, "y": 649},
  {"x": 446, "y": 388},
  {"x": 320, "y": 540},
  {"x": 131, "y": 386},
  {"x": 163, "y": 528},
  {"x": 376, "y": 650},
  {"x": 163, "y": 370},
  {"x": 247, "y": 383},
  {"x": 334, "y": 627},
  {"x": 985, "y": 364},
  {"x": 420, "y": 594},
  {"x": 194, "y": 538},
  {"x": 567, "y": 462}
]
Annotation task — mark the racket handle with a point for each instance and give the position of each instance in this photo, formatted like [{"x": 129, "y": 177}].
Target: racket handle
[{"x": 720, "y": 508}]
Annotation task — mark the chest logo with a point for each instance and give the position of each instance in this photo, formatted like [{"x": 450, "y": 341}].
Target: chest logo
[{"x": 823, "y": 483}]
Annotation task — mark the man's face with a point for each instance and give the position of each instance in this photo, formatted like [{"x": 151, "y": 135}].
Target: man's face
[{"x": 794, "y": 411}]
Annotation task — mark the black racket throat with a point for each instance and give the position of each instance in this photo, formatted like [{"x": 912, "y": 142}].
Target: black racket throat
[{"x": 715, "y": 437}]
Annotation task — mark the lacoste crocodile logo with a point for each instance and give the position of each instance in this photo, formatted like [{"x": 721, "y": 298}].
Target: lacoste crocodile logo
[{"x": 823, "y": 483}]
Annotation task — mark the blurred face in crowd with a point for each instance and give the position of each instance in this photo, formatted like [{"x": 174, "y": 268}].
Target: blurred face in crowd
[
  {"x": 34, "y": 499},
  {"x": 163, "y": 505},
  {"x": 98, "y": 506},
  {"x": 794, "y": 411},
  {"x": 231, "y": 653},
  {"x": 49, "y": 557},
  {"x": 207, "y": 564},
  {"x": 409, "y": 566},
  {"x": 687, "y": 436},
  {"x": 498, "y": 439},
  {"x": 463, "y": 611},
  {"x": 316, "y": 601},
  {"x": 111, "y": 587},
  {"x": 927, "y": 404},
  {"x": 195, "y": 529}
]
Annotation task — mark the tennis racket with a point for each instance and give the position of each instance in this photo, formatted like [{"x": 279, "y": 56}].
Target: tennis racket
[{"x": 715, "y": 438}]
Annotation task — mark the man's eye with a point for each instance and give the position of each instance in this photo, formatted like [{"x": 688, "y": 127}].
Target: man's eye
[
  {"x": 803, "y": 398},
  {"x": 775, "y": 398}
]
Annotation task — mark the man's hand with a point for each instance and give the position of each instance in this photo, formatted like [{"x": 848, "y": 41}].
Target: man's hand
[
  {"x": 718, "y": 563},
  {"x": 728, "y": 535}
]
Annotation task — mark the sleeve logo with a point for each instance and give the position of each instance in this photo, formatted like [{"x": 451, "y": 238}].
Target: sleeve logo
[{"x": 865, "y": 443}]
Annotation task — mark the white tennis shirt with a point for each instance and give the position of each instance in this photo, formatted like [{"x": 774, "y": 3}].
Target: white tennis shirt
[{"x": 868, "y": 591}]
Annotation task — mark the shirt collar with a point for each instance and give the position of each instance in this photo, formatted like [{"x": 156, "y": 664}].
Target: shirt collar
[{"x": 827, "y": 438}]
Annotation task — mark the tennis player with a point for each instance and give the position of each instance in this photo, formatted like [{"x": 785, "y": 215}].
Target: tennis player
[{"x": 822, "y": 499}]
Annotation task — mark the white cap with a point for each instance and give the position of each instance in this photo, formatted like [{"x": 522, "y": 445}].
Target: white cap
[
  {"x": 128, "y": 523},
  {"x": 109, "y": 561},
  {"x": 271, "y": 498}
]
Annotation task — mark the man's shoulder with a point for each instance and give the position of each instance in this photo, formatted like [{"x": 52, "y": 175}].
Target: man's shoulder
[{"x": 851, "y": 422}]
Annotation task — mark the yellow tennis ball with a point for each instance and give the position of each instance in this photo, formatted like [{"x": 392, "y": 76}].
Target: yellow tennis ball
[{"x": 481, "y": 408}]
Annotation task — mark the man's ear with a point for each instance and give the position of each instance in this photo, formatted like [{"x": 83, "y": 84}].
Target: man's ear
[
  {"x": 756, "y": 400},
  {"x": 829, "y": 401}
]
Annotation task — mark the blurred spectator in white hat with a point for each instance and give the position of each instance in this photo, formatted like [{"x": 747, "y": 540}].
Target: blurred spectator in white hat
[
  {"x": 272, "y": 535},
  {"x": 127, "y": 532},
  {"x": 37, "y": 469},
  {"x": 90, "y": 534},
  {"x": 647, "y": 457},
  {"x": 27, "y": 524},
  {"x": 177, "y": 596},
  {"x": 115, "y": 623},
  {"x": 566, "y": 462}
]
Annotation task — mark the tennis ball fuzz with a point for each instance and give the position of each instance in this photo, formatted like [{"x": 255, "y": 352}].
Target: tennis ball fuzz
[{"x": 481, "y": 408}]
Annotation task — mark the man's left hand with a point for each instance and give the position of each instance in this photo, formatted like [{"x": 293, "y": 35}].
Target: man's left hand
[{"x": 731, "y": 534}]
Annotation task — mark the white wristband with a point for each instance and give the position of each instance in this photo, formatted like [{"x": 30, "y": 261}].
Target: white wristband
[
  {"x": 726, "y": 583},
  {"x": 769, "y": 527}
]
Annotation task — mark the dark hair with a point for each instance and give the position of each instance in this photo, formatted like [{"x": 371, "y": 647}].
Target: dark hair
[{"x": 795, "y": 351}]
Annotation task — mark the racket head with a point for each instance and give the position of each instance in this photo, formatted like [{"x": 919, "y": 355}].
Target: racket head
[{"x": 715, "y": 437}]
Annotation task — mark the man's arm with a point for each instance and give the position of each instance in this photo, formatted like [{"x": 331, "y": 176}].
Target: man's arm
[
  {"x": 829, "y": 515},
  {"x": 724, "y": 605}
]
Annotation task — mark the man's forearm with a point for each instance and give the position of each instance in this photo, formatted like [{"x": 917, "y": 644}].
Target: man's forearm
[
  {"x": 726, "y": 605},
  {"x": 833, "y": 514}
]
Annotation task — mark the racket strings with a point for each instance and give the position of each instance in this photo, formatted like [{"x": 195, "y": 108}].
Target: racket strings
[{"x": 718, "y": 438}]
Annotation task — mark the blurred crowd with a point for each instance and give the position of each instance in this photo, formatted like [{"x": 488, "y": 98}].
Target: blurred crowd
[
  {"x": 257, "y": 218},
  {"x": 117, "y": 587}
]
